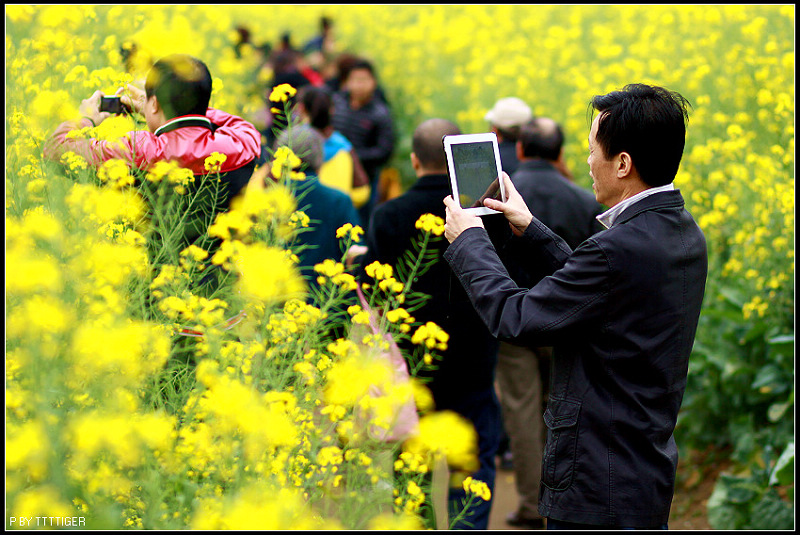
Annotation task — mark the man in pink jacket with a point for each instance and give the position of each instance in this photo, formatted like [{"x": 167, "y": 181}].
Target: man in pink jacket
[{"x": 181, "y": 128}]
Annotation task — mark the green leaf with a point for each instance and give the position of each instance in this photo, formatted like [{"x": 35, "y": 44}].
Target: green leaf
[
  {"x": 722, "y": 515},
  {"x": 777, "y": 410},
  {"x": 773, "y": 377},
  {"x": 733, "y": 297},
  {"x": 783, "y": 471},
  {"x": 784, "y": 339},
  {"x": 772, "y": 513}
]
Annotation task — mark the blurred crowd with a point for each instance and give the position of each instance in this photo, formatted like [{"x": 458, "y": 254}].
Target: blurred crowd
[{"x": 339, "y": 94}]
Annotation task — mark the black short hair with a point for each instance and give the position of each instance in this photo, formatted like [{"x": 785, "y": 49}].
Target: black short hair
[
  {"x": 541, "y": 138},
  {"x": 317, "y": 103},
  {"x": 509, "y": 133},
  {"x": 360, "y": 64},
  {"x": 426, "y": 143},
  {"x": 182, "y": 85},
  {"x": 647, "y": 122}
]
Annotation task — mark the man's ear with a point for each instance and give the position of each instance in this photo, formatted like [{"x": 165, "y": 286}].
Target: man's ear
[
  {"x": 414, "y": 162},
  {"x": 152, "y": 104},
  {"x": 519, "y": 151},
  {"x": 625, "y": 165}
]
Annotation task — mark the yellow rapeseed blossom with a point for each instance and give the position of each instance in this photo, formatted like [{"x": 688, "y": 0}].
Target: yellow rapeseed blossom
[
  {"x": 431, "y": 336},
  {"x": 170, "y": 171},
  {"x": 430, "y": 223},
  {"x": 282, "y": 93},
  {"x": 214, "y": 162},
  {"x": 74, "y": 162},
  {"x": 285, "y": 160},
  {"x": 478, "y": 488},
  {"x": 43, "y": 501},
  {"x": 103, "y": 205},
  {"x": 335, "y": 271},
  {"x": 449, "y": 434},
  {"x": 351, "y": 378},
  {"x": 395, "y": 522},
  {"x": 349, "y": 231},
  {"x": 267, "y": 275},
  {"x": 379, "y": 271}
]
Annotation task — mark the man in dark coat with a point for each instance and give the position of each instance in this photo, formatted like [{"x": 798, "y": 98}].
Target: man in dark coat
[
  {"x": 621, "y": 312},
  {"x": 463, "y": 381},
  {"x": 522, "y": 372}
]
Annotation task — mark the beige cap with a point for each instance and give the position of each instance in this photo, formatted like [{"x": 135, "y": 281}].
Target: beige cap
[{"x": 509, "y": 112}]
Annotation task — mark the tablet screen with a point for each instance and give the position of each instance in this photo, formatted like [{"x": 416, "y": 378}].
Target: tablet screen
[{"x": 476, "y": 172}]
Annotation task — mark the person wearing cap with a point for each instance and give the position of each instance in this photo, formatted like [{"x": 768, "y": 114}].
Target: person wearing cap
[{"x": 505, "y": 119}]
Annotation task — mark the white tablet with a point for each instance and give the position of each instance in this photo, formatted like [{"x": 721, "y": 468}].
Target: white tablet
[{"x": 473, "y": 163}]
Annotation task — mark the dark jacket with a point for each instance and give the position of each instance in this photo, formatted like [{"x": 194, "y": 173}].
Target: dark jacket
[
  {"x": 328, "y": 209},
  {"x": 508, "y": 156},
  {"x": 369, "y": 129},
  {"x": 621, "y": 312},
  {"x": 567, "y": 209},
  {"x": 467, "y": 366}
]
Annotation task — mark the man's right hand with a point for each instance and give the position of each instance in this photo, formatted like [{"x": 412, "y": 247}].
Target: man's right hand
[
  {"x": 515, "y": 209},
  {"x": 90, "y": 108}
]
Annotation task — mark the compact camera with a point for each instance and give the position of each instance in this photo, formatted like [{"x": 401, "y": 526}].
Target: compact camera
[{"x": 113, "y": 105}]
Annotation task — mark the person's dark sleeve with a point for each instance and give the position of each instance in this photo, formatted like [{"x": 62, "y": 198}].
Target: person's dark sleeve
[
  {"x": 571, "y": 295},
  {"x": 381, "y": 151}
]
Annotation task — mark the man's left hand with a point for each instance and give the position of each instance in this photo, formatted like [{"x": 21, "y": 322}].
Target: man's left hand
[{"x": 457, "y": 220}]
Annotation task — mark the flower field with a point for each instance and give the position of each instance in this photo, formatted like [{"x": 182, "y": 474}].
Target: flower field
[{"x": 118, "y": 416}]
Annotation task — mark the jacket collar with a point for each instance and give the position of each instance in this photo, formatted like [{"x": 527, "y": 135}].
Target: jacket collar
[
  {"x": 184, "y": 121},
  {"x": 536, "y": 164},
  {"x": 664, "y": 199},
  {"x": 432, "y": 182}
]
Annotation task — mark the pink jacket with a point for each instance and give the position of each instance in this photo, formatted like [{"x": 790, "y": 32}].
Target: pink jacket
[{"x": 189, "y": 140}]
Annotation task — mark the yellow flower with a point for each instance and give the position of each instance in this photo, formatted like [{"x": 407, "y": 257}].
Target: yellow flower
[
  {"x": 395, "y": 522},
  {"x": 195, "y": 253},
  {"x": 400, "y": 315},
  {"x": 214, "y": 162},
  {"x": 116, "y": 172},
  {"x": 449, "y": 434},
  {"x": 430, "y": 223},
  {"x": 40, "y": 501},
  {"x": 479, "y": 488},
  {"x": 335, "y": 271},
  {"x": 171, "y": 171},
  {"x": 282, "y": 93},
  {"x": 359, "y": 315},
  {"x": 379, "y": 271},
  {"x": 285, "y": 159},
  {"x": 266, "y": 274},
  {"x": 348, "y": 230},
  {"x": 299, "y": 219},
  {"x": 74, "y": 162},
  {"x": 431, "y": 336}
]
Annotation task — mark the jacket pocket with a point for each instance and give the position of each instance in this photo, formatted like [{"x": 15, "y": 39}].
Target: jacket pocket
[{"x": 560, "y": 451}]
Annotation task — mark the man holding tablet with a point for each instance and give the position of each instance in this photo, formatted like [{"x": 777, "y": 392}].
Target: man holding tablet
[{"x": 621, "y": 312}]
